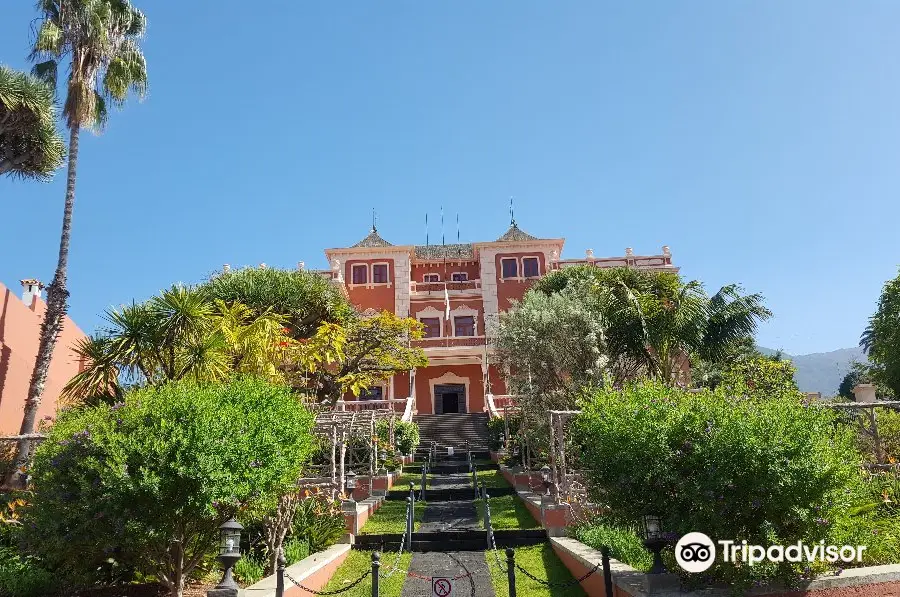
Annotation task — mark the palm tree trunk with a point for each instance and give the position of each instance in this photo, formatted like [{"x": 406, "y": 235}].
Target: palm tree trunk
[{"x": 57, "y": 295}]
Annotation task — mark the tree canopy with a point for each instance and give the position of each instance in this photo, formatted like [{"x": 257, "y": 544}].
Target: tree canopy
[
  {"x": 655, "y": 322},
  {"x": 179, "y": 334},
  {"x": 881, "y": 339},
  {"x": 30, "y": 145},
  {"x": 304, "y": 298},
  {"x": 142, "y": 485},
  {"x": 295, "y": 327}
]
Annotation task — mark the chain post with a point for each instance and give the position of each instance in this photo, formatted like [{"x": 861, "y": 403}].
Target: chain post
[
  {"x": 376, "y": 564},
  {"x": 475, "y": 480},
  {"x": 483, "y": 491},
  {"x": 409, "y": 521},
  {"x": 488, "y": 525},
  {"x": 511, "y": 570},
  {"x": 279, "y": 571},
  {"x": 607, "y": 574},
  {"x": 424, "y": 480}
]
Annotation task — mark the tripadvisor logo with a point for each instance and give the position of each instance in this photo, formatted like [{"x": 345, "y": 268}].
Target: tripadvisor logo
[{"x": 696, "y": 552}]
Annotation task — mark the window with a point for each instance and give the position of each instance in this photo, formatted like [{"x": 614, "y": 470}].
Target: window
[
  {"x": 372, "y": 394},
  {"x": 431, "y": 278},
  {"x": 380, "y": 273},
  {"x": 432, "y": 327},
  {"x": 530, "y": 267},
  {"x": 459, "y": 276},
  {"x": 464, "y": 326},
  {"x": 360, "y": 273},
  {"x": 510, "y": 268}
]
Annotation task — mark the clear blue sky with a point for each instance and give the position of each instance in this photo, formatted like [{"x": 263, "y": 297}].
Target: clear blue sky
[{"x": 759, "y": 139}]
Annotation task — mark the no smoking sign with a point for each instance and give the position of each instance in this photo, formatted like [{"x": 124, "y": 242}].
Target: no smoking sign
[{"x": 441, "y": 587}]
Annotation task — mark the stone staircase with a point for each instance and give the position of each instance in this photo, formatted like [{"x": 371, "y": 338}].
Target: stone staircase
[{"x": 452, "y": 430}]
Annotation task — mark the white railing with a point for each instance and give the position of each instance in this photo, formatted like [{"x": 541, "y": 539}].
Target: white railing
[
  {"x": 450, "y": 286},
  {"x": 498, "y": 405},
  {"x": 410, "y": 409},
  {"x": 361, "y": 405}
]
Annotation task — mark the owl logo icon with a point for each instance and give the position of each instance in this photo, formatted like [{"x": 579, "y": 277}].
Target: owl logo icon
[{"x": 695, "y": 552}]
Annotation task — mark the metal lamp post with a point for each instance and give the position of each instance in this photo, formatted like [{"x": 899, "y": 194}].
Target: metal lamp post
[
  {"x": 545, "y": 479},
  {"x": 229, "y": 554},
  {"x": 655, "y": 540}
]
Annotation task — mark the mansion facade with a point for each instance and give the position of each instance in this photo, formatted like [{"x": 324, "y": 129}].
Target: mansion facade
[{"x": 457, "y": 292}]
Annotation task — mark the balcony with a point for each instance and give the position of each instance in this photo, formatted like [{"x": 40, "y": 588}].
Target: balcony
[
  {"x": 449, "y": 342},
  {"x": 438, "y": 287}
]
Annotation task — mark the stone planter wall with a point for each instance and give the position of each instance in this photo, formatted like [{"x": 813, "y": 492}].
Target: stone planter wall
[{"x": 314, "y": 572}]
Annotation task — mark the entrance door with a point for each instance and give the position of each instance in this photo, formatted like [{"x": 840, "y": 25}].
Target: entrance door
[
  {"x": 450, "y": 402},
  {"x": 449, "y": 398}
]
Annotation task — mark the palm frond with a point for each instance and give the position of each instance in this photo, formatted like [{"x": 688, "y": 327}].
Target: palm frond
[{"x": 30, "y": 145}]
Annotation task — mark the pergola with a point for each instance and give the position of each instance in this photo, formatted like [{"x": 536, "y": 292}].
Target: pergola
[{"x": 341, "y": 428}]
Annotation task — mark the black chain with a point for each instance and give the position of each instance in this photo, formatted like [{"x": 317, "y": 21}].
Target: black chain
[
  {"x": 338, "y": 591},
  {"x": 558, "y": 585}
]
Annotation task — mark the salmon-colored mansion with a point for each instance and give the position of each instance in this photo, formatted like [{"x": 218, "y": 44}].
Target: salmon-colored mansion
[{"x": 457, "y": 291}]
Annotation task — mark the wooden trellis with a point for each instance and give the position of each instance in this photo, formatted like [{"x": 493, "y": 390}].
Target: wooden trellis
[
  {"x": 352, "y": 437},
  {"x": 868, "y": 425}
]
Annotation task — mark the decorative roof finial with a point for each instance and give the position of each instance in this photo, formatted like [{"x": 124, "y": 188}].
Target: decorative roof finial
[
  {"x": 374, "y": 221},
  {"x": 512, "y": 213}
]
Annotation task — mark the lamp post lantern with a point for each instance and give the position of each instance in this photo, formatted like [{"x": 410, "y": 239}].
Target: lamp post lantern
[
  {"x": 229, "y": 554},
  {"x": 654, "y": 540},
  {"x": 350, "y": 484},
  {"x": 545, "y": 479}
]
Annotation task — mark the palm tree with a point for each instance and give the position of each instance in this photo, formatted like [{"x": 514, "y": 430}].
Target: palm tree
[
  {"x": 30, "y": 145},
  {"x": 179, "y": 334},
  {"x": 655, "y": 321},
  {"x": 99, "y": 39}
]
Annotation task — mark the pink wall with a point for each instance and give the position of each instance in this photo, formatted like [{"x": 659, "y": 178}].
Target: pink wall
[
  {"x": 445, "y": 270},
  {"x": 423, "y": 387},
  {"x": 379, "y": 297},
  {"x": 19, "y": 335}
]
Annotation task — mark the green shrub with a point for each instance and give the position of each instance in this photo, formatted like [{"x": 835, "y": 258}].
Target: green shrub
[
  {"x": 769, "y": 471},
  {"x": 623, "y": 543},
  {"x": 23, "y": 576},
  {"x": 295, "y": 550},
  {"x": 135, "y": 482},
  {"x": 406, "y": 435},
  {"x": 319, "y": 522},
  {"x": 497, "y": 429},
  {"x": 248, "y": 571}
]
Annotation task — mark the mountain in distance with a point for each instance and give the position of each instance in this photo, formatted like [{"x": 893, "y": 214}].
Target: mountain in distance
[{"x": 821, "y": 371}]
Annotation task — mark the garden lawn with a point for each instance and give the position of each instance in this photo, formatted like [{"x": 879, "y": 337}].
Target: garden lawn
[
  {"x": 492, "y": 478},
  {"x": 360, "y": 562},
  {"x": 507, "y": 512},
  {"x": 391, "y": 518},
  {"x": 624, "y": 544},
  {"x": 541, "y": 561}
]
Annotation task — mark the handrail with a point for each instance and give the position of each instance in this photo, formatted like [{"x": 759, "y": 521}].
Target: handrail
[
  {"x": 359, "y": 405},
  {"x": 490, "y": 407},
  {"x": 408, "y": 413}
]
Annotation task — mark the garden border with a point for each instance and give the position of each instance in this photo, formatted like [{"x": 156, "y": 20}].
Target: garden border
[
  {"x": 314, "y": 571},
  {"x": 879, "y": 581}
]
